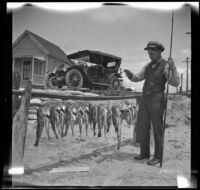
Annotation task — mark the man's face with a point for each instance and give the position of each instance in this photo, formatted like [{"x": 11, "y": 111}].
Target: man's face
[{"x": 154, "y": 54}]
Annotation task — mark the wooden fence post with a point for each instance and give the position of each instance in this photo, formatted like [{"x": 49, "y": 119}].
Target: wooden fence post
[{"x": 19, "y": 127}]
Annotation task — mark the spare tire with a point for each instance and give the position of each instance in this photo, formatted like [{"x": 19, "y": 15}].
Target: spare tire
[{"x": 74, "y": 79}]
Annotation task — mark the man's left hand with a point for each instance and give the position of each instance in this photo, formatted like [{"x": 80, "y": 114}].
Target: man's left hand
[{"x": 171, "y": 63}]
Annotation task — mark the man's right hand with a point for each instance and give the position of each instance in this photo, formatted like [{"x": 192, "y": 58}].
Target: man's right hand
[{"x": 128, "y": 73}]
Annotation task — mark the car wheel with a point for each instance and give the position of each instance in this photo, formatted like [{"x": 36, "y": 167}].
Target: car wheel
[
  {"x": 50, "y": 82},
  {"x": 74, "y": 79}
]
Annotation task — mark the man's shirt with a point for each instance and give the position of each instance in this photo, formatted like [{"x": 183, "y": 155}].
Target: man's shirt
[{"x": 174, "y": 79}]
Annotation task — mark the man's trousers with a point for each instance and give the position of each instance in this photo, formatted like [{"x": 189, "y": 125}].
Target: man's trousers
[{"x": 151, "y": 109}]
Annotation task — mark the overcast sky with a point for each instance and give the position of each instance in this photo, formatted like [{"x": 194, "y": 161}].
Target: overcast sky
[{"x": 119, "y": 30}]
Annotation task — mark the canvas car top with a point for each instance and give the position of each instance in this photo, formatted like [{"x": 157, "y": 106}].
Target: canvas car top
[{"x": 97, "y": 57}]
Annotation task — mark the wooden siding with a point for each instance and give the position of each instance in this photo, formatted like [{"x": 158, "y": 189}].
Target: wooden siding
[
  {"x": 26, "y": 48},
  {"x": 18, "y": 65},
  {"x": 38, "y": 80},
  {"x": 23, "y": 83}
]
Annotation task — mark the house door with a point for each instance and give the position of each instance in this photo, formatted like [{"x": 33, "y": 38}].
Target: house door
[{"x": 27, "y": 74}]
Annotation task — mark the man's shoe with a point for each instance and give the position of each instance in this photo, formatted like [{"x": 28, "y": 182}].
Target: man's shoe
[
  {"x": 153, "y": 161},
  {"x": 141, "y": 157}
]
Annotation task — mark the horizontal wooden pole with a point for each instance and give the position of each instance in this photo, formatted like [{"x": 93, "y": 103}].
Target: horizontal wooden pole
[{"x": 55, "y": 95}]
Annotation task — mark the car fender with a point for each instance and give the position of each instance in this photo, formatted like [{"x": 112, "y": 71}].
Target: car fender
[{"x": 50, "y": 75}]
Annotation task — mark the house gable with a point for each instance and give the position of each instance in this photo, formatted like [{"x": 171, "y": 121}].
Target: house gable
[
  {"x": 27, "y": 47},
  {"x": 31, "y": 46},
  {"x": 45, "y": 46}
]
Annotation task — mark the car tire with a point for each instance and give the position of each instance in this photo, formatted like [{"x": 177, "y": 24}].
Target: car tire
[
  {"x": 49, "y": 83},
  {"x": 74, "y": 79}
]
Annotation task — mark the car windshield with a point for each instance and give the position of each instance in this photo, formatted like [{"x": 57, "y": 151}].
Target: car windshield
[
  {"x": 80, "y": 62},
  {"x": 111, "y": 64}
]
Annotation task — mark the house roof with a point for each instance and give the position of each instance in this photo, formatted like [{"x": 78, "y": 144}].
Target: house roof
[{"x": 45, "y": 46}]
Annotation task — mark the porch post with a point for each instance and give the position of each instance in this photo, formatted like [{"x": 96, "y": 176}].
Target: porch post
[
  {"x": 45, "y": 71},
  {"x": 46, "y": 64},
  {"x": 32, "y": 69}
]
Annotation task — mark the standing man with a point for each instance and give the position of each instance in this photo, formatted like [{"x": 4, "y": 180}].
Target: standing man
[{"x": 152, "y": 103}]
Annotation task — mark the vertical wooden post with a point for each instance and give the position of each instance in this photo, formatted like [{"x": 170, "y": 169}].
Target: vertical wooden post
[
  {"x": 46, "y": 72},
  {"x": 19, "y": 127},
  {"x": 33, "y": 64},
  {"x": 46, "y": 64},
  {"x": 187, "y": 76},
  {"x": 187, "y": 61},
  {"x": 181, "y": 87}
]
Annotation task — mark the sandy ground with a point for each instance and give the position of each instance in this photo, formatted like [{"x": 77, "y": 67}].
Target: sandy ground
[{"x": 107, "y": 165}]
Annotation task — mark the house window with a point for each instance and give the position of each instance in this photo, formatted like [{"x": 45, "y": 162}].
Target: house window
[
  {"x": 39, "y": 67},
  {"x": 26, "y": 70}
]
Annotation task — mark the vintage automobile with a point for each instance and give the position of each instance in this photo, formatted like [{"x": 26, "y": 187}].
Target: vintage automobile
[{"x": 90, "y": 69}]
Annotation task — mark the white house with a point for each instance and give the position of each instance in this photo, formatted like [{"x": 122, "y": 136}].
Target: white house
[{"x": 34, "y": 56}]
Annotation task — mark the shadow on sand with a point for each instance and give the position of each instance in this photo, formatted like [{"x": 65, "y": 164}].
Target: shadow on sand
[{"x": 98, "y": 153}]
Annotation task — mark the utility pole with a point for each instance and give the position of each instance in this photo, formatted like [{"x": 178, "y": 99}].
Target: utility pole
[
  {"x": 166, "y": 97},
  {"x": 187, "y": 69},
  {"x": 181, "y": 87},
  {"x": 187, "y": 60},
  {"x": 187, "y": 76}
]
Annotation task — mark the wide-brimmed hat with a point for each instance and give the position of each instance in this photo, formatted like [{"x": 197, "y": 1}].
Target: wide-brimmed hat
[{"x": 155, "y": 44}]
